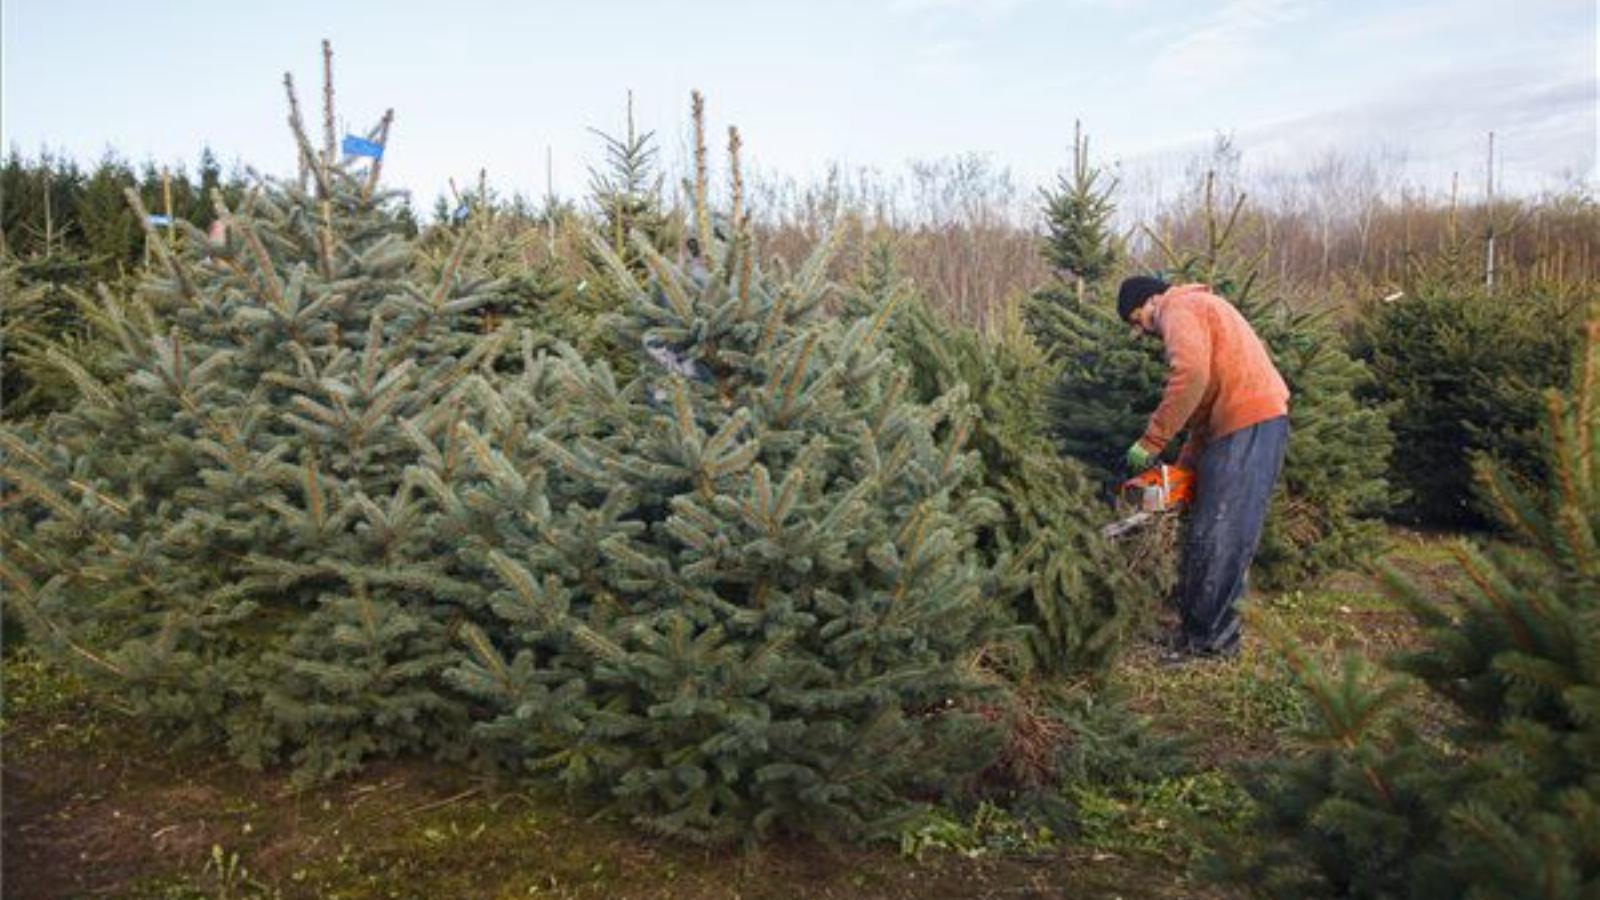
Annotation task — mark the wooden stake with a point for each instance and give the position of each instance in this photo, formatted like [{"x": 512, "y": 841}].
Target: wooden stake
[
  {"x": 1488, "y": 190},
  {"x": 377, "y": 164},
  {"x": 49, "y": 219},
  {"x": 166, "y": 201},
  {"x": 329, "y": 146},
  {"x": 549, "y": 199},
  {"x": 737, "y": 179},
  {"x": 702, "y": 214}
]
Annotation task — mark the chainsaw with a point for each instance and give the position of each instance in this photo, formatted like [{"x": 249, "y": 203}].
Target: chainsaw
[{"x": 1161, "y": 491}]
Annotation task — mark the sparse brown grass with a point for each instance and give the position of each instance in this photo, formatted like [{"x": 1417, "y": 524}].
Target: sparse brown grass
[{"x": 94, "y": 804}]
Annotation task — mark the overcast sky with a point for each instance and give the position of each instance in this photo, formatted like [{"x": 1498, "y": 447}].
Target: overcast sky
[{"x": 868, "y": 83}]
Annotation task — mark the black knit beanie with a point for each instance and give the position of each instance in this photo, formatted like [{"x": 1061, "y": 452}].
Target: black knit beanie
[{"x": 1135, "y": 291}]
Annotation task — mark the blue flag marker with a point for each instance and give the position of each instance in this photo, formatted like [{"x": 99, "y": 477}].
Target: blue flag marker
[
  {"x": 160, "y": 220},
  {"x": 355, "y": 146}
]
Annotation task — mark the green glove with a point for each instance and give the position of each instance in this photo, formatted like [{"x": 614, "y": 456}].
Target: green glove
[{"x": 1139, "y": 458}]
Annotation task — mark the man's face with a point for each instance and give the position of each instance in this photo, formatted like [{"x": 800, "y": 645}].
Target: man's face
[{"x": 1142, "y": 321}]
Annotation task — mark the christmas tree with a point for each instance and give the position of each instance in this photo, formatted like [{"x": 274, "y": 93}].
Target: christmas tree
[
  {"x": 1333, "y": 480},
  {"x": 515, "y": 251},
  {"x": 1465, "y": 371},
  {"x": 39, "y": 306},
  {"x": 734, "y": 593},
  {"x": 1079, "y": 239},
  {"x": 220, "y": 530},
  {"x": 626, "y": 193},
  {"x": 1062, "y": 579},
  {"x": 550, "y": 276},
  {"x": 1506, "y": 803}
]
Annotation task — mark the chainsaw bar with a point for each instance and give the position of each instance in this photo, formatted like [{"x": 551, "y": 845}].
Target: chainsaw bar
[
  {"x": 1161, "y": 491},
  {"x": 1131, "y": 523}
]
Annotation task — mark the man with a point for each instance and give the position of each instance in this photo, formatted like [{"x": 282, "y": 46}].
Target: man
[{"x": 1224, "y": 389}]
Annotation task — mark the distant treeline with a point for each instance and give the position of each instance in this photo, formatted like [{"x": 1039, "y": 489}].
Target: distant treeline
[
  {"x": 52, "y": 207},
  {"x": 966, "y": 231},
  {"x": 969, "y": 234}
]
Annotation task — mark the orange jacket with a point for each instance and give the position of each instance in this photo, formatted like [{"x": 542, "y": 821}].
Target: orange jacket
[{"x": 1222, "y": 376}]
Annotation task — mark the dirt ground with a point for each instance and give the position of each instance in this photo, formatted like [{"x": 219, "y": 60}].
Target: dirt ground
[
  {"x": 96, "y": 806},
  {"x": 125, "y": 818}
]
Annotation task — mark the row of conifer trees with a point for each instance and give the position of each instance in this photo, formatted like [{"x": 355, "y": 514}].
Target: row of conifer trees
[
  {"x": 319, "y": 494},
  {"x": 739, "y": 548}
]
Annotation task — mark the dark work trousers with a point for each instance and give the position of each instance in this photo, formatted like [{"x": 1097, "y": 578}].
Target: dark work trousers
[{"x": 1233, "y": 489}]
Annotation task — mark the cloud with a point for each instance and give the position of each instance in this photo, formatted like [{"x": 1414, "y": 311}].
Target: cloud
[
  {"x": 946, "y": 60},
  {"x": 990, "y": 10},
  {"x": 1398, "y": 25},
  {"x": 983, "y": 9},
  {"x": 1544, "y": 122},
  {"x": 1224, "y": 47},
  {"x": 1544, "y": 116}
]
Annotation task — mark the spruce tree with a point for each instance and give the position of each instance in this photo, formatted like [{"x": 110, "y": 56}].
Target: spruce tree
[
  {"x": 626, "y": 194},
  {"x": 220, "y": 530},
  {"x": 111, "y": 236},
  {"x": 509, "y": 252},
  {"x": 1103, "y": 367},
  {"x": 1333, "y": 481},
  {"x": 1049, "y": 559},
  {"x": 1079, "y": 236},
  {"x": 551, "y": 279},
  {"x": 734, "y": 593},
  {"x": 40, "y": 306},
  {"x": 1465, "y": 372},
  {"x": 1506, "y": 804},
  {"x": 1108, "y": 376}
]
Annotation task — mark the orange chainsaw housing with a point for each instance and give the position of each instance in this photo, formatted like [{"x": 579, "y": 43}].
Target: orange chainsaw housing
[{"x": 1161, "y": 488}]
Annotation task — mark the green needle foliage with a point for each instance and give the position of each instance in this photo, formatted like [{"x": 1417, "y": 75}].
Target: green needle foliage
[
  {"x": 626, "y": 193},
  {"x": 39, "y": 307},
  {"x": 736, "y": 594},
  {"x": 1465, "y": 371},
  {"x": 220, "y": 530},
  {"x": 1333, "y": 481},
  {"x": 1080, "y": 240},
  {"x": 1060, "y": 576},
  {"x": 1506, "y": 803}
]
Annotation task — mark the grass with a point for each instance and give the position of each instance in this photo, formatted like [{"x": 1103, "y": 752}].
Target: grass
[
  {"x": 124, "y": 815},
  {"x": 1160, "y": 818},
  {"x": 1238, "y": 712},
  {"x": 95, "y": 804}
]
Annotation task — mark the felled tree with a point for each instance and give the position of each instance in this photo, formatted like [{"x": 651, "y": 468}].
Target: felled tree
[
  {"x": 219, "y": 531},
  {"x": 1333, "y": 481},
  {"x": 735, "y": 593},
  {"x": 1049, "y": 560},
  {"x": 1507, "y": 805}
]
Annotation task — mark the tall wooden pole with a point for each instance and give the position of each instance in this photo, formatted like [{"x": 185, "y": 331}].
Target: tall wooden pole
[
  {"x": 1488, "y": 190},
  {"x": 550, "y": 199},
  {"x": 49, "y": 217},
  {"x": 166, "y": 202}
]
